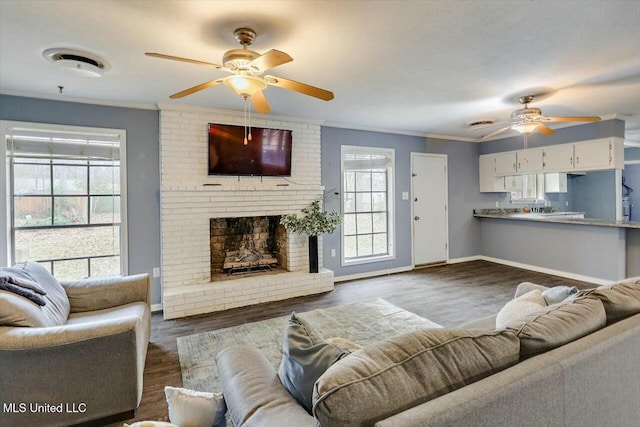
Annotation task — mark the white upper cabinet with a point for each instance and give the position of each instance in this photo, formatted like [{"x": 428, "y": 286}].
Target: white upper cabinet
[
  {"x": 505, "y": 163},
  {"x": 558, "y": 158},
  {"x": 488, "y": 181},
  {"x": 604, "y": 153},
  {"x": 530, "y": 160}
]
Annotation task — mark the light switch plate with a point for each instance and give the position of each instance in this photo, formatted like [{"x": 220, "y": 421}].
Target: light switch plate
[
  {"x": 156, "y": 271},
  {"x": 405, "y": 195}
]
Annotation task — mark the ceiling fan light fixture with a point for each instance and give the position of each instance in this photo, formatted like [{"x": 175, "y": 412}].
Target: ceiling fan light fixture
[
  {"x": 525, "y": 127},
  {"x": 244, "y": 85}
]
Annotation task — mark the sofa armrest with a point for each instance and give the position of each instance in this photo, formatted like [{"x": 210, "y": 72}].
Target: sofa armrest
[
  {"x": 253, "y": 393},
  {"x": 20, "y": 338},
  {"x": 91, "y": 378},
  {"x": 97, "y": 293}
]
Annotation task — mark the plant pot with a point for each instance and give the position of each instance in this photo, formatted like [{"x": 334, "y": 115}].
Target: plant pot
[{"x": 313, "y": 254}]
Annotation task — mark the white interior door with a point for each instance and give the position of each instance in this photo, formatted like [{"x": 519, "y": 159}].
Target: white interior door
[{"x": 429, "y": 201}]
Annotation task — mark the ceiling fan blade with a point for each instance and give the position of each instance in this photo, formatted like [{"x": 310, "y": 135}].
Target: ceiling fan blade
[
  {"x": 492, "y": 134},
  {"x": 316, "y": 92},
  {"x": 178, "y": 58},
  {"x": 271, "y": 59},
  {"x": 570, "y": 119},
  {"x": 260, "y": 103},
  {"x": 544, "y": 129},
  {"x": 195, "y": 89}
]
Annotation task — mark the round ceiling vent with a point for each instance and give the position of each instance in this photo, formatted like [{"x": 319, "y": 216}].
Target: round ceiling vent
[{"x": 84, "y": 63}]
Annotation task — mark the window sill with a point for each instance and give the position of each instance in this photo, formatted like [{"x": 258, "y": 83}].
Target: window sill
[{"x": 369, "y": 260}]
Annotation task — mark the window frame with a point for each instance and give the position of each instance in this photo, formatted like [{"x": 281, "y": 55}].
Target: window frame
[
  {"x": 540, "y": 191},
  {"x": 6, "y": 194},
  {"x": 344, "y": 262}
]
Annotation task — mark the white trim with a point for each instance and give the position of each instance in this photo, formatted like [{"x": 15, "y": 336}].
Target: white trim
[
  {"x": 453, "y": 138},
  {"x": 373, "y": 129},
  {"x": 391, "y": 203},
  {"x": 464, "y": 259},
  {"x": 632, "y": 162},
  {"x": 155, "y": 308},
  {"x": 373, "y": 273},
  {"x": 5, "y": 222},
  {"x": 551, "y": 271},
  {"x": 92, "y": 101}
]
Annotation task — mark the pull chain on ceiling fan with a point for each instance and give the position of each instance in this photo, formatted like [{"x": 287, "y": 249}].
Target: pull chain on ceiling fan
[
  {"x": 527, "y": 120},
  {"x": 247, "y": 68}
]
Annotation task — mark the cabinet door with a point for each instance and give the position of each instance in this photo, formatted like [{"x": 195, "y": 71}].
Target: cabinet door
[
  {"x": 555, "y": 182},
  {"x": 505, "y": 163},
  {"x": 558, "y": 158},
  {"x": 530, "y": 161},
  {"x": 488, "y": 181},
  {"x": 592, "y": 155}
]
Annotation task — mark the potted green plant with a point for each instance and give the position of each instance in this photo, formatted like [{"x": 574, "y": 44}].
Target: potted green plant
[{"x": 314, "y": 222}]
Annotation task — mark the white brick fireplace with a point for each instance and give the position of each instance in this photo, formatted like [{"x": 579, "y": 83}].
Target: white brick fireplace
[{"x": 189, "y": 199}]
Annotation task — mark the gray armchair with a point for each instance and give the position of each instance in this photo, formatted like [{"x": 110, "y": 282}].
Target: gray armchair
[{"x": 88, "y": 368}]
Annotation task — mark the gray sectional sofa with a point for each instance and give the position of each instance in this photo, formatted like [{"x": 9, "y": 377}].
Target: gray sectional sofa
[
  {"x": 577, "y": 364},
  {"x": 79, "y": 357}
]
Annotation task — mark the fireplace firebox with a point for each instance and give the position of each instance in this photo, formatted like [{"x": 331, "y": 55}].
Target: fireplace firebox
[{"x": 247, "y": 245}]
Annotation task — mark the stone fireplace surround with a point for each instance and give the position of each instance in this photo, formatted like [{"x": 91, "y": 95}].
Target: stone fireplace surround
[{"x": 189, "y": 199}]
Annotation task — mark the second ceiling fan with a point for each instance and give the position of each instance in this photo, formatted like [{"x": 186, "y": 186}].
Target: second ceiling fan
[
  {"x": 247, "y": 68},
  {"x": 527, "y": 120}
]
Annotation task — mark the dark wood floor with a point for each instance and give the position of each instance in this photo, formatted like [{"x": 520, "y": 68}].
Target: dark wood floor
[{"x": 448, "y": 295}]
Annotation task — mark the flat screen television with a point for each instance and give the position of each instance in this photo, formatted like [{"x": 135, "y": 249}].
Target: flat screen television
[{"x": 267, "y": 154}]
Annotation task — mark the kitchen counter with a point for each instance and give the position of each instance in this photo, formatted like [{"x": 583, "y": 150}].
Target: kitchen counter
[{"x": 552, "y": 217}]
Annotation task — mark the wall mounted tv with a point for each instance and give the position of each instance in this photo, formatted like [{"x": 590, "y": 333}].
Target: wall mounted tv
[{"x": 267, "y": 154}]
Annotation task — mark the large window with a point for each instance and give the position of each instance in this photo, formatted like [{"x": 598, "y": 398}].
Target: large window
[
  {"x": 65, "y": 199},
  {"x": 367, "y": 204}
]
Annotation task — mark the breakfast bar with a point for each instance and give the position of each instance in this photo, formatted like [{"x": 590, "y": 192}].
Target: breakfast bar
[{"x": 587, "y": 249}]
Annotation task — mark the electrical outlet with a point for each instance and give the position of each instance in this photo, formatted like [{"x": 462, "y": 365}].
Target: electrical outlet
[
  {"x": 497, "y": 204},
  {"x": 566, "y": 203},
  {"x": 156, "y": 272},
  {"x": 333, "y": 252},
  {"x": 405, "y": 195}
]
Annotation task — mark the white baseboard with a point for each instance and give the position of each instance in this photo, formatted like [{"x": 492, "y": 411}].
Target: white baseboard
[
  {"x": 156, "y": 308},
  {"x": 580, "y": 277},
  {"x": 372, "y": 274},
  {"x": 464, "y": 259}
]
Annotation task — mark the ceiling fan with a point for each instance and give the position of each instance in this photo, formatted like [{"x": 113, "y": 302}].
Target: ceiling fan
[
  {"x": 247, "y": 68},
  {"x": 527, "y": 120}
]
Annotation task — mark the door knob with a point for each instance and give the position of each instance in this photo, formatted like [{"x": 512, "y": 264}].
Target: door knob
[{"x": 417, "y": 218}]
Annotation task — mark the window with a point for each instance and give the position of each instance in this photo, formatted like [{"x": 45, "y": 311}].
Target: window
[
  {"x": 367, "y": 204},
  {"x": 67, "y": 209},
  {"x": 526, "y": 188}
]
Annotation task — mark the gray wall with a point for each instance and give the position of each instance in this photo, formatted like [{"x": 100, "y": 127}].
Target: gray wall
[
  {"x": 332, "y": 140},
  {"x": 594, "y": 194},
  {"x": 631, "y": 175},
  {"x": 143, "y": 175}
]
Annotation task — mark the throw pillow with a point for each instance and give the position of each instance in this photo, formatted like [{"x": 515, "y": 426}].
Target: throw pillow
[
  {"x": 531, "y": 302},
  {"x": 189, "y": 408},
  {"x": 305, "y": 356},
  {"x": 386, "y": 378},
  {"x": 559, "y": 294},
  {"x": 557, "y": 325},
  {"x": 18, "y": 311},
  {"x": 620, "y": 300}
]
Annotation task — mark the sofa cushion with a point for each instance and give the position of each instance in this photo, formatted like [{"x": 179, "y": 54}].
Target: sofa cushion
[
  {"x": 557, "y": 325},
  {"x": 189, "y": 408},
  {"x": 531, "y": 302},
  {"x": 305, "y": 356},
  {"x": 391, "y": 376},
  {"x": 16, "y": 310},
  {"x": 620, "y": 300}
]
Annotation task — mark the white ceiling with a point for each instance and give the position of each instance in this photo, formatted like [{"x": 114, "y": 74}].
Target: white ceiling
[{"x": 423, "y": 67}]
